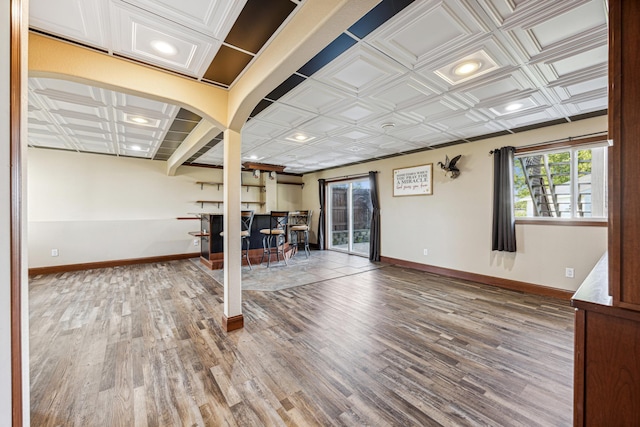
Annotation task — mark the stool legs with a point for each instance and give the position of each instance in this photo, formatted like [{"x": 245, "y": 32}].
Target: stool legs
[
  {"x": 295, "y": 239},
  {"x": 307, "y": 252},
  {"x": 246, "y": 252},
  {"x": 267, "y": 241}
]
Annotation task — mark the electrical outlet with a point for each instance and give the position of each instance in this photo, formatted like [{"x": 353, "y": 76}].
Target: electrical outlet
[
  {"x": 425, "y": 252},
  {"x": 54, "y": 252},
  {"x": 568, "y": 272},
  {"x": 196, "y": 242}
]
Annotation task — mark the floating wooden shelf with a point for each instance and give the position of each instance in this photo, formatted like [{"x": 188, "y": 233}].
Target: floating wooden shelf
[
  {"x": 203, "y": 183},
  {"x": 198, "y": 234},
  {"x": 219, "y": 202},
  {"x": 301, "y": 184}
]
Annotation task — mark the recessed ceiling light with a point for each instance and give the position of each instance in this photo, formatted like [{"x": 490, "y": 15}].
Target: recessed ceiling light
[
  {"x": 388, "y": 125},
  {"x": 135, "y": 148},
  {"x": 254, "y": 157},
  {"x": 513, "y": 107},
  {"x": 163, "y": 47},
  {"x": 466, "y": 68},
  {"x": 470, "y": 67},
  {"x": 300, "y": 137},
  {"x": 140, "y": 120}
]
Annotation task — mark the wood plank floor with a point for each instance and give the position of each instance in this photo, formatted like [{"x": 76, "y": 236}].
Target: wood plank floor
[{"x": 142, "y": 346}]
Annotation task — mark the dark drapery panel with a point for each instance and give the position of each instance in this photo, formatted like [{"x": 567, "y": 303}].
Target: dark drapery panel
[
  {"x": 322, "y": 188},
  {"x": 504, "y": 223},
  {"x": 374, "y": 232}
]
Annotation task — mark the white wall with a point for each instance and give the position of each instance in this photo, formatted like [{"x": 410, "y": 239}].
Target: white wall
[
  {"x": 95, "y": 208},
  {"x": 289, "y": 196},
  {"x": 454, "y": 223},
  {"x": 98, "y": 208}
]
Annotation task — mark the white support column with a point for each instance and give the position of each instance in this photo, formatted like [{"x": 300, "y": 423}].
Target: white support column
[{"x": 232, "y": 318}]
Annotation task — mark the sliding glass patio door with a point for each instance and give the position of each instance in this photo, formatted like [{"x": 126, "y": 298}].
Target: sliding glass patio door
[{"x": 349, "y": 216}]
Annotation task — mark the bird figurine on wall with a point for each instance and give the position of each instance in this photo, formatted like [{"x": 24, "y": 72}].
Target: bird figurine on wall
[{"x": 449, "y": 166}]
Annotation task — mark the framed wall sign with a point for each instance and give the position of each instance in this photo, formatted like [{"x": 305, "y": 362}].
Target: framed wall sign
[{"x": 413, "y": 181}]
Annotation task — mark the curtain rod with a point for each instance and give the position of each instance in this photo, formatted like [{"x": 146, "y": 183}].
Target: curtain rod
[
  {"x": 342, "y": 178},
  {"x": 570, "y": 139}
]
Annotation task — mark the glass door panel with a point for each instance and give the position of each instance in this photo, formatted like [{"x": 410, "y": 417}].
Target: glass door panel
[{"x": 350, "y": 216}]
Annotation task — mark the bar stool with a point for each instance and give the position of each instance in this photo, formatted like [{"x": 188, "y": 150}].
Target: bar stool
[
  {"x": 278, "y": 225},
  {"x": 299, "y": 223},
  {"x": 246, "y": 219}
]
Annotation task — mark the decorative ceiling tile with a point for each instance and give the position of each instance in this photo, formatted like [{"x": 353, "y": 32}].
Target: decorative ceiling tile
[
  {"x": 356, "y": 134},
  {"x": 503, "y": 84},
  {"x": 49, "y": 141},
  {"x": 581, "y": 19},
  {"x": 84, "y": 21},
  {"x": 359, "y": 69},
  {"x": 421, "y": 134},
  {"x": 428, "y": 30},
  {"x": 285, "y": 115},
  {"x": 431, "y": 109},
  {"x": 477, "y": 130},
  {"x": 462, "y": 120},
  {"x": 356, "y": 112},
  {"x": 324, "y": 126},
  {"x": 581, "y": 61},
  {"x": 316, "y": 97},
  {"x": 262, "y": 128},
  {"x": 136, "y": 34},
  {"x": 250, "y": 141},
  {"x": 389, "y": 123},
  {"x": 399, "y": 94},
  {"x": 500, "y": 10},
  {"x": 211, "y": 17},
  {"x": 526, "y": 118}
]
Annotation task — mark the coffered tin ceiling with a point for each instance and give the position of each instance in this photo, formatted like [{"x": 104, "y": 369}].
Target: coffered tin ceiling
[{"x": 393, "y": 83}]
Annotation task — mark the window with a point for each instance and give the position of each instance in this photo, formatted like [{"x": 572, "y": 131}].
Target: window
[{"x": 565, "y": 183}]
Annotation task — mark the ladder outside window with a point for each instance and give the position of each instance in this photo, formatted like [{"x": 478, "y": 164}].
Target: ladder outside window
[{"x": 570, "y": 183}]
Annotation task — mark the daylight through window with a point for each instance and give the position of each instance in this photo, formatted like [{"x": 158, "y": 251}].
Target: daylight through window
[{"x": 566, "y": 183}]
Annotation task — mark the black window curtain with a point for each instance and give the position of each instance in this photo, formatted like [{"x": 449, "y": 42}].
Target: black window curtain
[
  {"x": 322, "y": 188},
  {"x": 504, "y": 224},
  {"x": 374, "y": 232}
]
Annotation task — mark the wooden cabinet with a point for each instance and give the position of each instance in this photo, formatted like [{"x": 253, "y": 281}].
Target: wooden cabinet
[{"x": 607, "y": 356}]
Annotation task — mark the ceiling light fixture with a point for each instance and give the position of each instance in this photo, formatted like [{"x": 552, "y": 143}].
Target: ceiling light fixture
[
  {"x": 135, "y": 148},
  {"x": 513, "y": 107},
  {"x": 388, "y": 125},
  {"x": 253, "y": 157},
  {"x": 163, "y": 47},
  {"x": 300, "y": 137},
  {"x": 466, "y": 68},
  {"x": 140, "y": 120}
]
